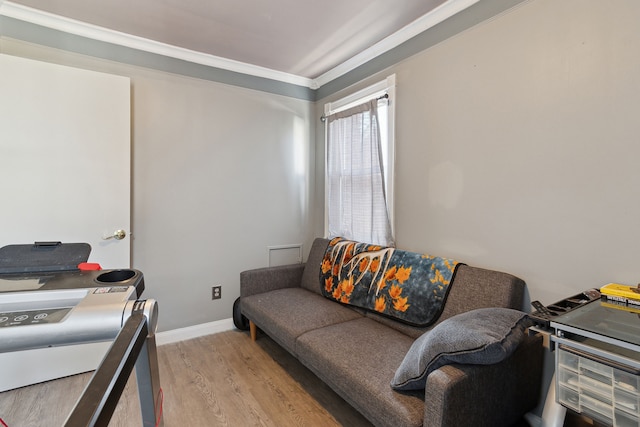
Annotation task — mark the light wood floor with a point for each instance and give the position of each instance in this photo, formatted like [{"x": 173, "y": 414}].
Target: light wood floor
[{"x": 217, "y": 380}]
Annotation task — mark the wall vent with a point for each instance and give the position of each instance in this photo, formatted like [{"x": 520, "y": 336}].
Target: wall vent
[{"x": 284, "y": 254}]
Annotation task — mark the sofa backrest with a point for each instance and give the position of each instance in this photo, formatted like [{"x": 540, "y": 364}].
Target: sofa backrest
[
  {"x": 311, "y": 273},
  {"x": 471, "y": 288},
  {"x": 475, "y": 287}
]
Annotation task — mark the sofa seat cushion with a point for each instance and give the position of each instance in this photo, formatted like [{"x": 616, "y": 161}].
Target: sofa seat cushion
[
  {"x": 285, "y": 314},
  {"x": 479, "y": 337},
  {"x": 358, "y": 359}
]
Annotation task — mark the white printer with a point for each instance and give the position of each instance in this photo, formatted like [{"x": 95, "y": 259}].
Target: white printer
[{"x": 55, "y": 319}]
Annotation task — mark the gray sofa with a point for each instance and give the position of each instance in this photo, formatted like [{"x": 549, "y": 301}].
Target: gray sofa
[{"x": 358, "y": 352}]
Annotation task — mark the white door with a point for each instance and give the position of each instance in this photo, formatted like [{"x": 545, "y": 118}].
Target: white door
[{"x": 65, "y": 157}]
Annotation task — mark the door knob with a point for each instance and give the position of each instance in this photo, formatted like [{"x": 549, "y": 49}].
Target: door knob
[{"x": 118, "y": 235}]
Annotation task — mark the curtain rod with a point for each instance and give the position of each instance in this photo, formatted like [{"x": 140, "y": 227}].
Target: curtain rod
[{"x": 385, "y": 96}]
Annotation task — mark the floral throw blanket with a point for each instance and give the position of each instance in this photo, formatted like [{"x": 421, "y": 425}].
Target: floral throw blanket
[{"x": 406, "y": 286}]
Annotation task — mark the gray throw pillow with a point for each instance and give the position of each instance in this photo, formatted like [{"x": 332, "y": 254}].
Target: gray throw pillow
[{"x": 482, "y": 337}]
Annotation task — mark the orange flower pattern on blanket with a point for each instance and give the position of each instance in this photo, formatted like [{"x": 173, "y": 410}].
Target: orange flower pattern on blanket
[
  {"x": 326, "y": 266},
  {"x": 400, "y": 304},
  {"x": 375, "y": 264},
  {"x": 403, "y": 274},
  {"x": 328, "y": 283},
  {"x": 343, "y": 291},
  {"x": 395, "y": 291},
  {"x": 405, "y": 285}
]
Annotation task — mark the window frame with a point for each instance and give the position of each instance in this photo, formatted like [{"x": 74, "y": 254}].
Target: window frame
[{"x": 386, "y": 86}]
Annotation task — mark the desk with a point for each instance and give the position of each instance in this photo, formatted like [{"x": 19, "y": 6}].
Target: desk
[
  {"x": 133, "y": 347},
  {"x": 597, "y": 360}
]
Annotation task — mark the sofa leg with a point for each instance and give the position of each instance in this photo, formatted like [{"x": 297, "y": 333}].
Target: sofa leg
[{"x": 253, "y": 330}]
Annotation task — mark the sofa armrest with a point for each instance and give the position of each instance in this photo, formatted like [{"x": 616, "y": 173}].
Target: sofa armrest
[
  {"x": 486, "y": 395},
  {"x": 267, "y": 279}
]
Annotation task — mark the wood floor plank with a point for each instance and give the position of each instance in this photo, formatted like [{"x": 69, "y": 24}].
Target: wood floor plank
[
  {"x": 194, "y": 378},
  {"x": 223, "y": 380},
  {"x": 273, "y": 389},
  {"x": 238, "y": 382},
  {"x": 35, "y": 406}
]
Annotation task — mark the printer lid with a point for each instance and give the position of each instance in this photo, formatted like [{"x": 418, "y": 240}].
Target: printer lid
[{"x": 43, "y": 257}]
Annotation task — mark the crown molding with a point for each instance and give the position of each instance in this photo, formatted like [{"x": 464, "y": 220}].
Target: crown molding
[
  {"x": 94, "y": 32},
  {"x": 431, "y": 19}
]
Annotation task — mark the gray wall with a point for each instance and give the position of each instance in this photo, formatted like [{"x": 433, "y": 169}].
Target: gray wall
[
  {"x": 219, "y": 174},
  {"x": 518, "y": 146}
]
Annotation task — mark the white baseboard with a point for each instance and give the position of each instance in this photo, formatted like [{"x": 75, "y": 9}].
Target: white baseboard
[{"x": 195, "y": 331}]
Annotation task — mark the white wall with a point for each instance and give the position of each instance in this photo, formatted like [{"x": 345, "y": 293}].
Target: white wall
[
  {"x": 59, "y": 123},
  {"x": 517, "y": 146},
  {"x": 219, "y": 174}
]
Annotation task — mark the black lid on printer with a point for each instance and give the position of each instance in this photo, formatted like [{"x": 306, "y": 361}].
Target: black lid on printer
[{"x": 41, "y": 257}]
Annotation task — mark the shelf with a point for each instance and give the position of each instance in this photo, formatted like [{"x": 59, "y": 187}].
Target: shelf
[{"x": 597, "y": 390}]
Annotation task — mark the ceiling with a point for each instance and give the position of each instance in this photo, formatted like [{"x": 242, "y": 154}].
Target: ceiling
[{"x": 303, "y": 38}]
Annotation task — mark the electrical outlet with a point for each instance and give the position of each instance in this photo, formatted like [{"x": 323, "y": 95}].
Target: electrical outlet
[{"x": 216, "y": 292}]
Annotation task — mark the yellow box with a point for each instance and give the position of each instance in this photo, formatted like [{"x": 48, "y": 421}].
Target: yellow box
[{"x": 618, "y": 290}]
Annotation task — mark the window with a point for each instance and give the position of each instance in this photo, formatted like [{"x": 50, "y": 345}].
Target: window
[{"x": 359, "y": 165}]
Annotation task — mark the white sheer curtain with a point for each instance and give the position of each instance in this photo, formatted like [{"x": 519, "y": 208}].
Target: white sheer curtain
[{"x": 357, "y": 207}]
